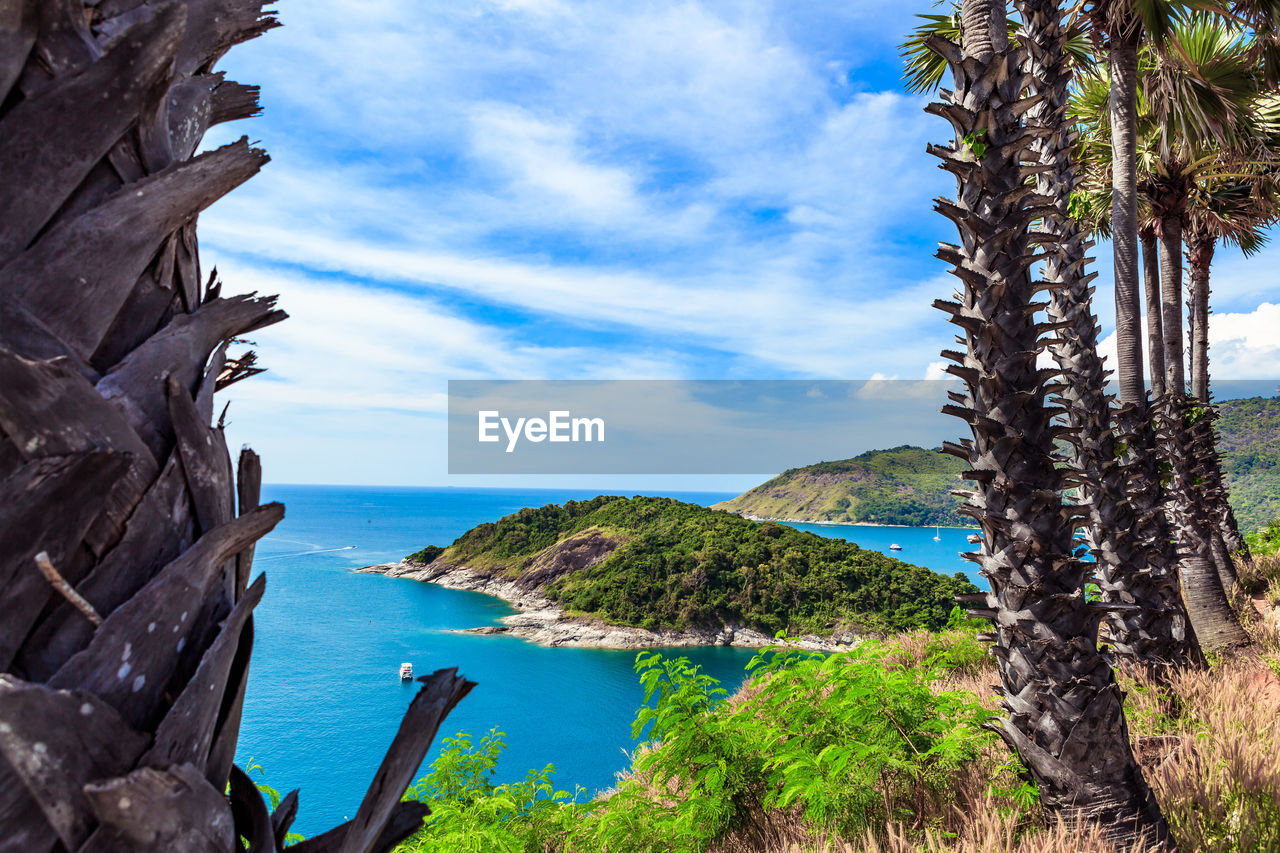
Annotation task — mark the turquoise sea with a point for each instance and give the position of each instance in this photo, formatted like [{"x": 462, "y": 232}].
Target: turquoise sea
[{"x": 324, "y": 699}]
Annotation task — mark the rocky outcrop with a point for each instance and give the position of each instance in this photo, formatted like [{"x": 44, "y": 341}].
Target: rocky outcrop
[{"x": 542, "y": 621}]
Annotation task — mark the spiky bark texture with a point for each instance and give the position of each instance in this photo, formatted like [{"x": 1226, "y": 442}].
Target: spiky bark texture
[
  {"x": 1129, "y": 572},
  {"x": 120, "y": 704},
  {"x": 1216, "y": 626},
  {"x": 1065, "y": 717}
]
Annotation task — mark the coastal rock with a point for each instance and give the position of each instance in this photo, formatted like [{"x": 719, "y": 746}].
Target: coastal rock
[{"x": 542, "y": 621}]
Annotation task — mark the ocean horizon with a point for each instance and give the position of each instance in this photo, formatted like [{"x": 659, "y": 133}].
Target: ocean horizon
[{"x": 324, "y": 696}]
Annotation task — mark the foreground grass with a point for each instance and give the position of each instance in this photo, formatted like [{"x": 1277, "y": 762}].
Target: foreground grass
[{"x": 880, "y": 750}]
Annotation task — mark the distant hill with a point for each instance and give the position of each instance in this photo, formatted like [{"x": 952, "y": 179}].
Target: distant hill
[
  {"x": 660, "y": 563},
  {"x": 912, "y": 485},
  {"x": 902, "y": 485},
  {"x": 1249, "y": 439}
]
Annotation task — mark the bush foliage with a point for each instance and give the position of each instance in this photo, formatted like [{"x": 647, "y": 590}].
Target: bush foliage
[{"x": 879, "y": 750}]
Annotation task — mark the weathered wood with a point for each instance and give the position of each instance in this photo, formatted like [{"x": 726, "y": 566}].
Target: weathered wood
[
  {"x": 249, "y": 491},
  {"x": 252, "y": 820},
  {"x": 186, "y": 733},
  {"x": 25, "y": 335},
  {"x": 131, "y": 657},
  {"x": 157, "y": 531},
  {"x": 218, "y": 25},
  {"x": 161, "y": 811},
  {"x": 25, "y": 829},
  {"x": 283, "y": 816},
  {"x": 108, "y": 247},
  {"x": 223, "y": 752},
  {"x": 190, "y": 113},
  {"x": 172, "y": 128},
  {"x": 188, "y": 267},
  {"x": 50, "y": 504},
  {"x": 66, "y": 590},
  {"x": 63, "y": 44},
  {"x": 440, "y": 692},
  {"x": 17, "y": 35},
  {"x": 148, "y": 307},
  {"x": 47, "y": 408},
  {"x": 180, "y": 350},
  {"x": 209, "y": 384},
  {"x": 92, "y": 742},
  {"x": 208, "y": 477},
  {"x": 233, "y": 101},
  {"x": 88, "y": 111},
  {"x": 406, "y": 819}
]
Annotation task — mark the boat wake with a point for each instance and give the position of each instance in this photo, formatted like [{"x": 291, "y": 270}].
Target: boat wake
[{"x": 306, "y": 553}]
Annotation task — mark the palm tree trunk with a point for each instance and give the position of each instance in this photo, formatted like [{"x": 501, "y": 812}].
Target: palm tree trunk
[
  {"x": 1171, "y": 286},
  {"x": 1151, "y": 282},
  {"x": 1053, "y": 679},
  {"x": 1205, "y": 586},
  {"x": 1200, "y": 256},
  {"x": 1200, "y": 259},
  {"x": 126, "y": 542},
  {"x": 1134, "y": 572},
  {"x": 1123, "y": 61}
]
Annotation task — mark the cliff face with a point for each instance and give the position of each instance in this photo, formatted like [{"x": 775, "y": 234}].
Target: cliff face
[{"x": 903, "y": 485}]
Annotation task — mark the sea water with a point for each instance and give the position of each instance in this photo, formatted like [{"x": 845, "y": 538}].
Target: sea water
[{"x": 324, "y": 697}]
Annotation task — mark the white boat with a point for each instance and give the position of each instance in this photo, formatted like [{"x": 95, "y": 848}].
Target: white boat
[
  {"x": 406, "y": 670},
  {"x": 895, "y": 547},
  {"x": 938, "y": 537}
]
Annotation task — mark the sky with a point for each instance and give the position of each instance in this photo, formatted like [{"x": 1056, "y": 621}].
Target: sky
[{"x": 550, "y": 189}]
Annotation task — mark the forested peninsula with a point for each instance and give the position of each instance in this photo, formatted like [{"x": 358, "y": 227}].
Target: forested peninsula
[{"x": 666, "y": 567}]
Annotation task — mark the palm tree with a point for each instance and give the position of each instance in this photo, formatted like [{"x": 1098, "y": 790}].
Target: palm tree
[
  {"x": 1147, "y": 622},
  {"x": 1122, "y": 26},
  {"x": 1155, "y": 320},
  {"x": 1196, "y": 97},
  {"x": 1136, "y": 566},
  {"x": 1053, "y": 679},
  {"x": 1235, "y": 212},
  {"x": 1205, "y": 118},
  {"x": 126, "y": 539}
]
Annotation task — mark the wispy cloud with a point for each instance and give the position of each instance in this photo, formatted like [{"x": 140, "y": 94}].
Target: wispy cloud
[{"x": 569, "y": 189}]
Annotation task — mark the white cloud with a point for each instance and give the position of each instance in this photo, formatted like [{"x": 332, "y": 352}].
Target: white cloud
[{"x": 1242, "y": 345}]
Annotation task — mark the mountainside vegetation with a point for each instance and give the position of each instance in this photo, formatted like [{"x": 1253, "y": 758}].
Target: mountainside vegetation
[
  {"x": 912, "y": 485},
  {"x": 1249, "y": 441},
  {"x": 902, "y": 485},
  {"x": 660, "y": 563}
]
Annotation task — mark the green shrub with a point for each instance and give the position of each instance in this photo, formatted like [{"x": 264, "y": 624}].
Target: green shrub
[{"x": 470, "y": 813}]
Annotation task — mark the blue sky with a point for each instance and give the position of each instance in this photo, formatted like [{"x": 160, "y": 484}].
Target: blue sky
[{"x": 553, "y": 189}]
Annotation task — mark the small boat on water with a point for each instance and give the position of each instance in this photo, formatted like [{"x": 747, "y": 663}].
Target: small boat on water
[
  {"x": 895, "y": 547},
  {"x": 938, "y": 536},
  {"x": 406, "y": 670}
]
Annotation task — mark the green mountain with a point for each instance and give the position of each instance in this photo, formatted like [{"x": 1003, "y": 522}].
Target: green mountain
[
  {"x": 1249, "y": 440},
  {"x": 659, "y": 563},
  {"x": 903, "y": 485},
  {"x": 911, "y": 485}
]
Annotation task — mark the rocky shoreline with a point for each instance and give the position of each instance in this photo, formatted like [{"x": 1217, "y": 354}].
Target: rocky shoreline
[{"x": 542, "y": 621}]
